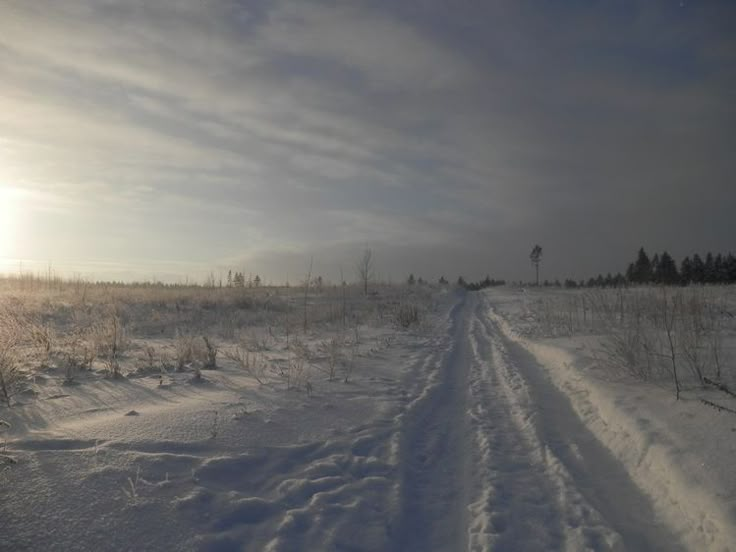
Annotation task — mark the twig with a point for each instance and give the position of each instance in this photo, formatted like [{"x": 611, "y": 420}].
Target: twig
[
  {"x": 718, "y": 407},
  {"x": 720, "y": 386}
]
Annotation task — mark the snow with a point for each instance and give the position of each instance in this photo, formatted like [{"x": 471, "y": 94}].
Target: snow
[
  {"x": 467, "y": 432},
  {"x": 680, "y": 453}
]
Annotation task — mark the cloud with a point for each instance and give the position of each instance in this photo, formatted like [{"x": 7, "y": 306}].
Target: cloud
[
  {"x": 439, "y": 132},
  {"x": 383, "y": 51}
]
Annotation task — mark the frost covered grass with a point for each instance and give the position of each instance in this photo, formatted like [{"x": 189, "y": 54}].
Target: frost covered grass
[
  {"x": 116, "y": 331},
  {"x": 616, "y": 354},
  {"x": 684, "y": 336},
  {"x": 151, "y": 396}
]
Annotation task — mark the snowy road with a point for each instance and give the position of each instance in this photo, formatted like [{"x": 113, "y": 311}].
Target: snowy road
[{"x": 493, "y": 457}]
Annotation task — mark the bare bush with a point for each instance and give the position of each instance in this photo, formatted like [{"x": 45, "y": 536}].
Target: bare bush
[
  {"x": 693, "y": 332},
  {"x": 350, "y": 364},
  {"x": 150, "y": 352},
  {"x": 648, "y": 333},
  {"x": 183, "y": 351},
  {"x": 406, "y": 315},
  {"x": 79, "y": 354},
  {"x": 631, "y": 349},
  {"x": 110, "y": 343},
  {"x": 332, "y": 350},
  {"x": 4, "y": 426},
  {"x": 247, "y": 362},
  {"x": 43, "y": 337},
  {"x": 299, "y": 358},
  {"x": 210, "y": 353},
  {"x": 10, "y": 375}
]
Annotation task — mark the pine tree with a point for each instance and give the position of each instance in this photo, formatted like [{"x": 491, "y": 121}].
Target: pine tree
[
  {"x": 719, "y": 270},
  {"x": 410, "y": 280},
  {"x": 730, "y": 268},
  {"x": 709, "y": 269},
  {"x": 667, "y": 270},
  {"x": 698, "y": 269},
  {"x": 655, "y": 268},
  {"x": 686, "y": 271},
  {"x": 631, "y": 273},
  {"x": 642, "y": 270}
]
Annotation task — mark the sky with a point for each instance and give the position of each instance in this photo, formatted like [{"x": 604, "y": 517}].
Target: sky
[{"x": 164, "y": 140}]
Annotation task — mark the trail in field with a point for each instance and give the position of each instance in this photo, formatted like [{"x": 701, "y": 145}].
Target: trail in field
[
  {"x": 449, "y": 441},
  {"x": 494, "y": 458}
]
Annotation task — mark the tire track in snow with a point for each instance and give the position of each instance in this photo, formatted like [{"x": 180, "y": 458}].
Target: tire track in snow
[
  {"x": 432, "y": 462},
  {"x": 595, "y": 486},
  {"x": 492, "y": 458},
  {"x": 516, "y": 507},
  {"x": 469, "y": 478}
]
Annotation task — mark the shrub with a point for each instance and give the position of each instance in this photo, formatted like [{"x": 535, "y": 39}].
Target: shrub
[
  {"x": 406, "y": 315},
  {"x": 110, "y": 343},
  {"x": 10, "y": 375},
  {"x": 211, "y": 350},
  {"x": 183, "y": 351}
]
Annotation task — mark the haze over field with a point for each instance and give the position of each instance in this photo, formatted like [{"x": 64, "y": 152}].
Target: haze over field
[{"x": 173, "y": 138}]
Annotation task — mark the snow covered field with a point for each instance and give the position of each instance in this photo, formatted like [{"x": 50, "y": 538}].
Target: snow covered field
[{"x": 478, "y": 424}]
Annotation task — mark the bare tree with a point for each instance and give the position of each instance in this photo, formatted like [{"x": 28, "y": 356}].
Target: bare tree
[
  {"x": 307, "y": 280},
  {"x": 536, "y": 258},
  {"x": 365, "y": 269},
  {"x": 669, "y": 315}
]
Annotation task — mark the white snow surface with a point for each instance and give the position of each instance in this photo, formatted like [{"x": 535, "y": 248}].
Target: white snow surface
[{"x": 463, "y": 436}]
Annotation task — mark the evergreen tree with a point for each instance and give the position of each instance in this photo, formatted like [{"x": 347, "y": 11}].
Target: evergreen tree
[
  {"x": 655, "y": 268},
  {"x": 686, "y": 271},
  {"x": 229, "y": 278},
  {"x": 443, "y": 281},
  {"x": 730, "y": 265},
  {"x": 667, "y": 270},
  {"x": 257, "y": 281},
  {"x": 709, "y": 269},
  {"x": 698, "y": 269},
  {"x": 719, "y": 269},
  {"x": 631, "y": 273},
  {"x": 411, "y": 281},
  {"x": 642, "y": 269}
]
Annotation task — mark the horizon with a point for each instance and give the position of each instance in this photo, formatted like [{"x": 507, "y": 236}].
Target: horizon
[{"x": 449, "y": 138}]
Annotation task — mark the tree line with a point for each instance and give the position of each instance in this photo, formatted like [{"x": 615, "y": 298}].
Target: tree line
[{"x": 662, "y": 268}]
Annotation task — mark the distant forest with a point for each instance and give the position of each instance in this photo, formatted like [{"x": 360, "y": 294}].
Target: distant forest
[{"x": 663, "y": 269}]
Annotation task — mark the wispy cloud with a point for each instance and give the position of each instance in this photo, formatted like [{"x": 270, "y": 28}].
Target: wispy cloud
[{"x": 205, "y": 132}]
